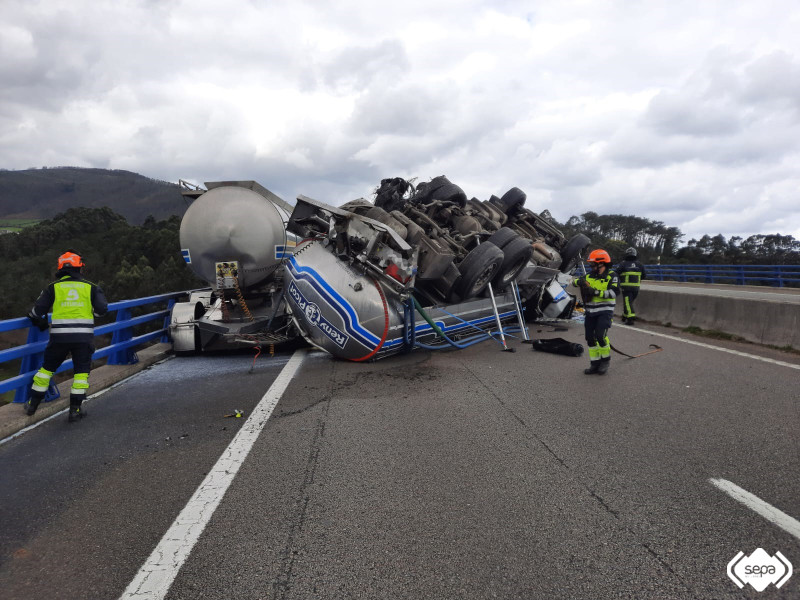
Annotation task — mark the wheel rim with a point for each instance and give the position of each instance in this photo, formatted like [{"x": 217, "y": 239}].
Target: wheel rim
[
  {"x": 514, "y": 271},
  {"x": 484, "y": 278}
]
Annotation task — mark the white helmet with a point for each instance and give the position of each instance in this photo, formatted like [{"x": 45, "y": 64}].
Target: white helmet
[{"x": 631, "y": 252}]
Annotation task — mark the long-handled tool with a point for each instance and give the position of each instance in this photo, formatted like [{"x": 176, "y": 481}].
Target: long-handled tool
[
  {"x": 515, "y": 291},
  {"x": 657, "y": 349},
  {"x": 497, "y": 317},
  {"x": 499, "y": 324}
]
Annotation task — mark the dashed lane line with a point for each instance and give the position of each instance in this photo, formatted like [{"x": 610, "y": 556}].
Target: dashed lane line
[
  {"x": 753, "y": 502},
  {"x": 728, "y": 350},
  {"x": 156, "y": 575}
]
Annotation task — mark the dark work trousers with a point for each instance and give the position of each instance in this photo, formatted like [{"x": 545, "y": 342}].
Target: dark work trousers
[
  {"x": 56, "y": 353},
  {"x": 628, "y": 296},
  {"x": 597, "y": 327}
]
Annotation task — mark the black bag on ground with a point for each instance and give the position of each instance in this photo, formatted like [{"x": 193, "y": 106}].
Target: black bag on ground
[{"x": 558, "y": 346}]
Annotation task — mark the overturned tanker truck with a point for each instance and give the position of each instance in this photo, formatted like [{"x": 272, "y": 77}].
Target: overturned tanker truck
[{"x": 419, "y": 267}]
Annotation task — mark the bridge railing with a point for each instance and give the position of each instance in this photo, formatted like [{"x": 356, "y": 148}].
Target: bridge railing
[
  {"x": 773, "y": 275},
  {"x": 121, "y": 350}
]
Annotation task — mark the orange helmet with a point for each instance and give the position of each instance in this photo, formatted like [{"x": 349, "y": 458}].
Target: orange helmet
[
  {"x": 599, "y": 256},
  {"x": 70, "y": 259}
]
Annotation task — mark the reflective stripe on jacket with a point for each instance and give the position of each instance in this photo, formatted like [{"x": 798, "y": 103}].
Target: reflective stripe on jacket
[
  {"x": 631, "y": 273},
  {"x": 74, "y": 302},
  {"x": 606, "y": 289}
]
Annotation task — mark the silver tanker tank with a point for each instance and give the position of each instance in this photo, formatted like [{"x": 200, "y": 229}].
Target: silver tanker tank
[
  {"x": 233, "y": 236},
  {"x": 231, "y": 223}
]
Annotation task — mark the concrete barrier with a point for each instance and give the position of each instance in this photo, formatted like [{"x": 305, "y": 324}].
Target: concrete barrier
[{"x": 761, "y": 321}]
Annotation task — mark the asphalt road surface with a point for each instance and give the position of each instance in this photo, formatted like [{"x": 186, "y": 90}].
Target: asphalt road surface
[{"x": 465, "y": 474}]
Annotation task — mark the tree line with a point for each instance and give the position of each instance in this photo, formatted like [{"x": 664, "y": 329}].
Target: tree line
[
  {"x": 657, "y": 242},
  {"x": 127, "y": 261}
]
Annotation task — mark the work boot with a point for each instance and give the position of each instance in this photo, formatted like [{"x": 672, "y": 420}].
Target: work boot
[
  {"x": 75, "y": 413},
  {"x": 602, "y": 368},
  {"x": 32, "y": 404},
  {"x": 593, "y": 368}
]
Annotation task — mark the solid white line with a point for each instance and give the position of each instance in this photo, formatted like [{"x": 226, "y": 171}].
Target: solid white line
[
  {"x": 780, "y": 518},
  {"x": 702, "y": 345},
  {"x": 156, "y": 575},
  {"x": 86, "y": 400}
]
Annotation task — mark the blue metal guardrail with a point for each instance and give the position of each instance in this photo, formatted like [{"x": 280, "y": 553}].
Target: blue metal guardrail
[
  {"x": 119, "y": 352},
  {"x": 774, "y": 275}
]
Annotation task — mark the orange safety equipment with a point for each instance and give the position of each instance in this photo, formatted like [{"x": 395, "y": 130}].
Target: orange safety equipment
[
  {"x": 70, "y": 259},
  {"x": 599, "y": 256}
]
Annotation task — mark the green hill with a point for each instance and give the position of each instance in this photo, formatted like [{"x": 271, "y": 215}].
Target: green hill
[{"x": 43, "y": 193}]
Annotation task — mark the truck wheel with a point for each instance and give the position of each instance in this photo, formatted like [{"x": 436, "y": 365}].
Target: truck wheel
[
  {"x": 503, "y": 236},
  {"x": 511, "y": 201},
  {"x": 569, "y": 256},
  {"x": 451, "y": 193},
  {"x": 516, "y": 255},
  {"x": 478, "y": 269}
]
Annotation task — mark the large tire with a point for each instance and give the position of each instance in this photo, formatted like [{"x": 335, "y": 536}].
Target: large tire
[
  {"x": 477, "y": 270},
  {"x": 503, "y": 236},
  {"x": 516, "y": 255},
  {"x": 512, "y": 201},
  {"x": 450, "y": 192},
  {"x": 426, "y": 189},
  {"x": 569, "y": 255}
]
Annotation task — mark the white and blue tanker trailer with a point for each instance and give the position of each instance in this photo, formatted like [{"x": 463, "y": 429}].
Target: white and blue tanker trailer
[{"x": 367, "y": 280}]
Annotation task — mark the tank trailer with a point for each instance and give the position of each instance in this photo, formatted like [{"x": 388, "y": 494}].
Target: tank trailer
[{"x": 419, "y": 267}]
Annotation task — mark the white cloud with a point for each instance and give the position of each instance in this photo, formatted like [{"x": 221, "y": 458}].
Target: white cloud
[{"x": 685, "y": 112}]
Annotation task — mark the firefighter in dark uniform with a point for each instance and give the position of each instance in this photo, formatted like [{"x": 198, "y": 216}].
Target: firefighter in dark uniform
[
  {"x": 599, "y": 291},
  {"x": 630, "y": 272},
  {"x": 74, "y": 302}
]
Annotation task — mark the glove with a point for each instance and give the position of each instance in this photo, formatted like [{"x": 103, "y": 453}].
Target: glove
[{"x": 40, "y": 322}]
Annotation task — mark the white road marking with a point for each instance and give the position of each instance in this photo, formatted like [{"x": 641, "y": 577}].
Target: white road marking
[
  {"x": 702, "y": 345},
  {"x": 156, "y": 575},
  {"x": 769, "y": 512}
]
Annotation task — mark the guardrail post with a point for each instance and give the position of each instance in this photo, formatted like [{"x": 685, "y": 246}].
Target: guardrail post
[
  {"x": 709, "y": 275},
  {"x": 165, "y": 338},
  {"x": 32, "y": 362},
  {"x": 740, "y": 276},
  {"x": 126, "y": 356},
  {"x": 779, "y": 275},
  {"x": 682, "y": 271}
]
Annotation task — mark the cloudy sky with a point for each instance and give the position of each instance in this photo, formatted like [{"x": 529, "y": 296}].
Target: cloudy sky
[{"x": 687, "y": 112}]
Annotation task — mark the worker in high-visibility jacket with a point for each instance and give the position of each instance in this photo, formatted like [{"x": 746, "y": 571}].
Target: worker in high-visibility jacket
[
  {"x": 74, "y": 302},
  {"x": 599, "y": 290},
  {"x": 630, "y": 272}
]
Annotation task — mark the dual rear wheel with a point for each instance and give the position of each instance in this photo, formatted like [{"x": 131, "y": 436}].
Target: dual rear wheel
[{"x": 498, "y": 260}]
